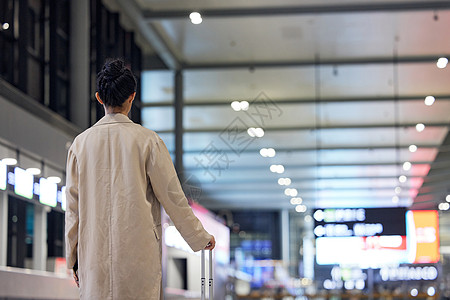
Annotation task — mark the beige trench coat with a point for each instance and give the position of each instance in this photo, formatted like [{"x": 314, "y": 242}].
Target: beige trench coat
[{"x": 118, "y": 174}]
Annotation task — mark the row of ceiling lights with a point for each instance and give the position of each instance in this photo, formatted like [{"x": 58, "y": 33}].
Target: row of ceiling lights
[
  {"x": 445, "y": 205},
  {"x": 33, "y": 171},
  {"x": 270, "y": 152},
  {"x": 420, "y": 127}
]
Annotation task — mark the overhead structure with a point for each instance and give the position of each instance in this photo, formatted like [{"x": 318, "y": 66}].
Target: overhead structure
[{"x": 336, "y": 88}]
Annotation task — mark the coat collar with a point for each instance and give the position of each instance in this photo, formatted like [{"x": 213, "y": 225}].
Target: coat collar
[{"x": 113, "y": 118}]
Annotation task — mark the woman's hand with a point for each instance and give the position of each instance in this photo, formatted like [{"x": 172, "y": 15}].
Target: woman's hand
[
  {"x": 75, "y": 277},
  {"x": 211, "y": 244}
]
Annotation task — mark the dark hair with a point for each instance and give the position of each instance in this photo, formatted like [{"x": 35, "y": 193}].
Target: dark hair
[{"x": 115, "y": 83}]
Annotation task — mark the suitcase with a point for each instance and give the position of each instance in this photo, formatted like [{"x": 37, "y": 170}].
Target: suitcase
[{"x": 210, "y": 281}]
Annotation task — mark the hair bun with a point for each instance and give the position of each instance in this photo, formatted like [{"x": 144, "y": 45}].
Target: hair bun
[
  {"x": 113, "y": 69},
  {"x": 115, "y": 82}
]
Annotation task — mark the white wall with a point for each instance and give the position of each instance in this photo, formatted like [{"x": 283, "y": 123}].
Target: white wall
[{"x": 24, "y": 130}]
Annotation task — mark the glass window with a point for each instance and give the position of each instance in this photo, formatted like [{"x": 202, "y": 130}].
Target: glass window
[
  {"x": 158, "y": 118},
  {"x": 158, "y": 86}
]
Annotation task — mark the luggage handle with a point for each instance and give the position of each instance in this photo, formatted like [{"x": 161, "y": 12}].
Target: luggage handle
[{"x": 211, "y": 280}]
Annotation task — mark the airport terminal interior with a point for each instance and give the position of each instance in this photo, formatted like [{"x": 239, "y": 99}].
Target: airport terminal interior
[{"x": 311, "y": 138}]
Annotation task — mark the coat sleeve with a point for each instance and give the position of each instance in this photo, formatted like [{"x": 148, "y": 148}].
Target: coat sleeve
[
  {"x": 168, "y": 191},
  {"x": 71, "y": 217}
]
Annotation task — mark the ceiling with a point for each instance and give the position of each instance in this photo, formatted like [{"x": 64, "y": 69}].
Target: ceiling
[{"x": 337, "y": 86}]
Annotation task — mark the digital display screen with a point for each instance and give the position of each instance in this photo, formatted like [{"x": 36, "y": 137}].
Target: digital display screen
[
  {"x": 261, "y": 271},
  {"x": 3, "y": 170},
  {"x": 344, "y": 222},
  {"x": 419, "y": 244},
  {"x": 48, "y": 192},
  {"x": 423, "y": 236},
  {"x": 23, "y": 183},
  {"x": 366, "y": 252}
]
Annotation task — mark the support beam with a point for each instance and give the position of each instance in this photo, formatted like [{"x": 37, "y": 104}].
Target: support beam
[
  {"x": 307, "y": 149},
  {"x": 40, "y": 238},
  {"x": 263, "y": 168},
  {"x": 3, "y": 227},
  {"x": 285, "y": 244},
  {"x": 306, "y": 101},
  {"x": 323, "y": 127},
  {"x": 257, "y": 11},
  {"x": 311, "y": 63},
  {"x": 13, "y": 95},
  {"x": 179, "y": 122},
  {"x": 79, "y": 63},
  {"x": 155, "y": 40}
]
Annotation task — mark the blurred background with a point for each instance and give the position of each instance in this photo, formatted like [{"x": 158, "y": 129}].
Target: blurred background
[{"x": 311, "y": 138}]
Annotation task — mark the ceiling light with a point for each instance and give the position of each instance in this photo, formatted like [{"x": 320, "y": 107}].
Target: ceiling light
[
  {"x": 420, "y": 127},
  {"x": 5, "y": 26},
  {"x": 196, "y": 18},
  {"x": 412, "y": 148},
  {"x": 9, "y": 161},
  {"x": 300, "y": 208},
  {"x": 270, "y": 152},
  {"x": 267, "y": 152},
  {"x": 429, "y": 100},
  {"x": 447, "y": 198},
  {"x": 442, "y": 62},
  {"x": 431, "y": 291},
  {"x": 236, "y": 106},
  {"x": 259, "y": 132},
  {"x": 277, "y": 169},
  {"x": 291, "y": 192},
  {"x": 395, "y": 199},
  {"x": 296, "y": 201},
  {"x": 402, "y": 178},
  {"x": 280, "y": 169},
  {"x": 444, "y": 206},
  {"x": 407, "y": 166},
  {"x": 398, "y": 190},
  {"x": 34, "y": 171},
  {"x": 54, "y": 179},
  {"x": 255, "y": 132},
  {"x": 414, "y": 292},
  {"x": 263, "y": 152},
  {"x": 244, "y": 105},
  {"x": 284, "y": 181}
]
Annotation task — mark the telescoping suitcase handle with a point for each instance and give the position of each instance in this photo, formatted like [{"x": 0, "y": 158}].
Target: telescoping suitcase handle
[{"x": 211, "y": 285}]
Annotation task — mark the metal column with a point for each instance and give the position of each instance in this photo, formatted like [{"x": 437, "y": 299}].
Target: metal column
[
  {"x": 40, "y": 238},
  {"x": 3, "y": 227},
  {"x": 285, "y": 236},
  {"x": 79, "y": 63},
  {"x": 179, "y": 122}
]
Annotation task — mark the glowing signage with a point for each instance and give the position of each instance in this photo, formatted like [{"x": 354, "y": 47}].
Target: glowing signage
[
  {"x": 345, "y": 222},
  {"x": 365, "y": 252},
  {"x": 2, "y": 176},
  {"x": 48, "y": 192},
  {"x": 63, "y": 198},
  {"x": 353, "y": 237},
  {"x": 423, "y": 236},
  {"x": 221, "y": 233},
  {"x": 23, "y": 183},
  {"x": 408, "y": 273}
]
